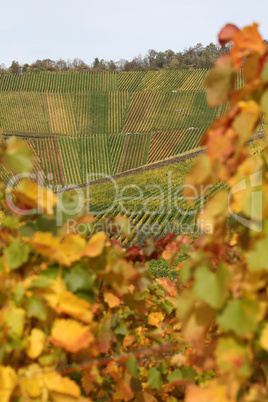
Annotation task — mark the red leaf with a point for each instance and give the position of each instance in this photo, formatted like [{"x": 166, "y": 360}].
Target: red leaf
[{"x": 227, "y": 33}]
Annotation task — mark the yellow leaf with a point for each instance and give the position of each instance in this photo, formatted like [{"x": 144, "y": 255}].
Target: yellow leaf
[
  {"x": 247, "y": 120},
  {"x": 156, "y": 319},
  {"x": 111, "y": 300},
  {"x": 36, "y": 381},
  {"x": 15, "y": 319},
  {"x": 264, "y": 338},
  {"x": 36, "y": 342},
  {"x": 70, "y": 304},
  {"x": 33, "y": 196},
  {"x": 220, "y": 81},
  {"x": 214, "y": 393},
  {"x": 65, "y": 251},
  {"x": 8, "y": 382},
  {"x": 215, "y": 210},
  {"x": 62, "y": 385},
  {"x": 200, "y": 174},
  {"x": 95, "y": 245},
  {"x": 71, "y": 335}
]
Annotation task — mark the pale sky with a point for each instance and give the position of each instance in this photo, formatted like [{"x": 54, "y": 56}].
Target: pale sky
[{"x": 116, "y": 29}]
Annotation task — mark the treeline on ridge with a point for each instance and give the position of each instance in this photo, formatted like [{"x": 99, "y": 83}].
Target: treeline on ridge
[{"x": 195, "y": 57}]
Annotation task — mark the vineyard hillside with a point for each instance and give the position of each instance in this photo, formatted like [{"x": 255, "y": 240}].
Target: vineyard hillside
[{"x": 81, "y": 126}]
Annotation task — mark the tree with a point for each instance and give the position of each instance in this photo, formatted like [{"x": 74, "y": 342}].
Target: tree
[
  {"x": 96, "y": 63},
  {"x": 112, "y": 66},
  {"x": 61, "y": 65},
  {"x": 174, "y": 63},
  {"x": 15, "y": 68},
  {"x": 3, "y": 68}
]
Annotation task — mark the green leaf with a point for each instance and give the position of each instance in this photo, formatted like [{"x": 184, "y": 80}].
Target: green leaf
[
  {"x": 36, "y": 308},
  {"x": 121, "y": 329},
  {"x": 51, "y": 272},
  {"x": 154, "y": 378},
  {"x": 40, "y": 283},
  {"x": 79, "y": 278},
  {"x": 167, "y": 306},
  {"x": 19, "y": 293},
  {"x": 258, "y": 257},
  {"x": 163, "y": 367},
  {"x": 47, "y": 224},
  {"x": 10, "y": 222},
  {"x": 133, "y": 367},
  {"x": 27, "y": 230},
  {"x": 185, "y": 274},
  {"x": 228, "y": 353},
  {"x": 17, "y": 254},
  {"x": 17, "y": 157},
  {"x": 176, "y": 375},
  {"x": 264, "y": 102},
  {"x": 239, "y": 316},
  {"x": 210, "y": 287},
  {"x": 188, "y": 373},
  {"x": 264, "y": 73},
  {"x": 2, "y": 267},
  {"x": 68, "y": 206},
  {"x": 46, "y": 360},
  {"x": 15, "y": 321}
]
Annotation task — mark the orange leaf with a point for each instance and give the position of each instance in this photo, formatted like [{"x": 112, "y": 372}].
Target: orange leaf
[
  {"x": 95, "y": 245},
  {"x": 156, "y": 319},
  {"x": 168, "y": 286},
  {"x": 246, "y": 42},
  {"x": 70, "y": 335},
  {"x": 111, "y": 300},
  {"x": 128, "y": 340}
]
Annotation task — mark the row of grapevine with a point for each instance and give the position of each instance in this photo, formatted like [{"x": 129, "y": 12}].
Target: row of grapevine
[
  {"x": 117, "y": 145},
  {"x": 48, "y": 153},
  {"x": 73, "y": 82},
  {"x": 95, "y": 157},
  {"x": 168, "y": 111},
  {"x": 130, "y": 80},
  {"x": 67, "y": 161},
  {"x": 60, "y": 82},
  {"x": 173, "y": 80},
  {"x": 137, "y": 151},
  {"x": 69, "y": 150},
  {"x": 155, "y": 209},
  {"x": 39, "y": 177},
  {"x": 165, "y": 144},
  {"x": 70, "y": 114}
]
